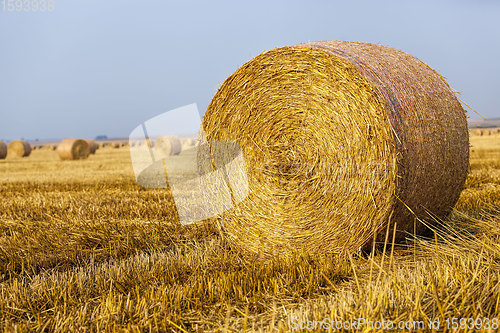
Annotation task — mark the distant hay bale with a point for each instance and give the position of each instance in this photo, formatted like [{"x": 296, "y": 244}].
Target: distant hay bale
[
  {"x": 188, "y": 142},
  {"x": 341, "y": 141},
  {"x": 73, "y": 149},
  {"x": 48, "y": 147},
  {"x": 168, "y": 145},
  {"x": 115, "y": 145},
  {"x": 19, "y": 148},
  {"x": 475, "y": 132},
  {"x": 143, "y": 143},
  {"x": 93, "y": 146},
  {"x": 486, "y": 132},
  {"x": 3, "y": 150}
]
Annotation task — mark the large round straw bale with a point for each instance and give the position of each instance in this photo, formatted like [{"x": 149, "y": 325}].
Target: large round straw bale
[
  {"x": 168, "y": 145},
  {"x": 19, "y": 148},
  {"x": 73, "y": 149},
  {"x": 3, "y": 150},
  {"x": 93, "y": 146},
  {"x": 342, "y": 140}
]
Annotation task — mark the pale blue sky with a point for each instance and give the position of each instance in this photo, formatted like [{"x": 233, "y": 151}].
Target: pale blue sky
[{"x": 103, "y": 67}]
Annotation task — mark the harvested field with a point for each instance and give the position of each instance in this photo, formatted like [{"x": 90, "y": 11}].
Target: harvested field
[{"x": 83, "y": 247}]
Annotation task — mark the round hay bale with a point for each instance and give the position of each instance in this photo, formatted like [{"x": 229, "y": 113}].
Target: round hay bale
[
  {"x": 93, "y": 146},
  {"x": 168, "y": 145},
  {"x": 3, "y": 150},
  {"x": 485, "y": 132},
  {"x": 19, "y": 148},
  {"x": 48, "y": 147},
  {"x": 189, "y": 142},
  {"x": 73, "y": 149},
  {"x": 115, "y": 145},
  {"x": 342, "y": 140},
  {"x": 475, "y": 132}
]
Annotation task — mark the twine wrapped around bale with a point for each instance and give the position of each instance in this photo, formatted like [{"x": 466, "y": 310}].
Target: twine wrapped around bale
[
  {"x": 3, "y": 150},
  {"x": 93, "y": 146},
  {"x": 73, "y": 149},
  {"x": 19, "y": 148},
  {"x": 342, "y": 140},
  {"x": 168, "y": 145}
]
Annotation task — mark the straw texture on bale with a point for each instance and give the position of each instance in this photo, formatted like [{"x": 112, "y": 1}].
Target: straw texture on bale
[
  {"x": 19, "y": 148},
  {"x": 73, "y": 149},
  {"x": 342, "y": 140},
  {"x": 168, "y": 145},
  {"x": 93, "y": 146},
  {"x": 3, "y": 150}
]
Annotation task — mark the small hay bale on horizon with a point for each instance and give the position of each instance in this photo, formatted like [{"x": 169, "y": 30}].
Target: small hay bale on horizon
[
  {"x": 73, "y": 149},
  {"x": 485, "y": 132},
  {"x": 168, "y": 145},
  {"x": 19, "y": 148},
  {"x": 93, "y": 146},
  {"x": 49, "y": 147},
  {"x": 342, "y": 141},
  {"x": 475, "y": 132},
  {"x": 3, "y": 150},
  {"x": 189, "y": 142}
]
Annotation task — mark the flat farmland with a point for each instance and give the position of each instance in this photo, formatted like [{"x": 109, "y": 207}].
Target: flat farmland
[{"x": 84, "y": 247}]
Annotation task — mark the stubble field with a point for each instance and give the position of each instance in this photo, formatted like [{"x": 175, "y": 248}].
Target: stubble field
[{"x": 83, "y": 247}]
